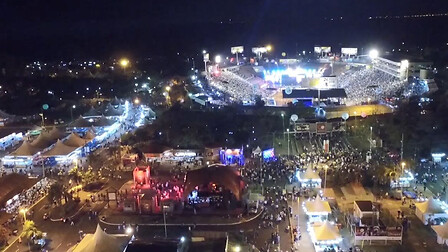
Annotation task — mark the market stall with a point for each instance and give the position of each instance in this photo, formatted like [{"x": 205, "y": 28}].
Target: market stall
[
  {"x": 324, "y": 235},
  {"x": 309, "y": 178},
  {"x": 317, "y": 210},
  {"x": 442, "y": 233},
  {"x": 430, "y": 210}
]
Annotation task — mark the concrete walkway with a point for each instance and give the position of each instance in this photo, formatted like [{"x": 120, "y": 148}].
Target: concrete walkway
[{"x": 305, "y": 243}]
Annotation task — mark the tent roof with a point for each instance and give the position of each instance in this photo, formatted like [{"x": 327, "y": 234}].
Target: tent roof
[
  {"x": 26, "y": 149},
  {"x": 318, "y": 206},
  {"x": 326, "y": 231},
  {"x": 13, "y": 184},
  {"x": 100, "y": 241},
  {"x": 103, "y": 121},
  {"x": 89, "y": 135},
  {"x": 92, "y": 112},
  {"x": 309, "y": 174},
  {"x": 111, "y": 111},
  {"x": 115, "y": 101},
  {"x": 74, "y": 140},
  {"x": 429, "y": 206},
  {"x": 441, "y": 230},
  {"x": 55, "y": 133},
  {"x": 43, "y": 141},
  {"x": 59, "y": 149},
  {"x": 81, "y": 123},
  {"x": 257, "y": 150}
]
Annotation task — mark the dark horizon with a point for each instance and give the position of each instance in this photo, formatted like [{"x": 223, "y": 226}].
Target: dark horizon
[{"x": 98, "y": 29}]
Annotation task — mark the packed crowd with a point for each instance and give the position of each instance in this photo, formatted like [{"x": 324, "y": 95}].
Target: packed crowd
[
  {"x": 239, "y": 88},
  {"x": 368, "y": 85},
  {"x": 27, "y": 198}
]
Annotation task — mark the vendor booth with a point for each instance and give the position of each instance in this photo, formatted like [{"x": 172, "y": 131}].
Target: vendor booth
[
  {"x": 63, "y": 154},
  {"x": 403, "y": 181},
  {"x": 324, "y": 235},
  {"x": 442, "y": 233},
  {"x": 317, "y": 210},
  {"x": 100, "y": 241},
  {"x": 309, "y": 178},
  {"x": 430, "y": 210}
]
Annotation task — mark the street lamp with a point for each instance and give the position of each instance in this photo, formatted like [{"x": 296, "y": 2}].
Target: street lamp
[
  {"x": 168, "y": 88},
  {"x": 283, "y": 122},
  {"x": 164, "y": 208},
  {"x": 43, "y": 122},
  {"x": 129, "y": 230},
  {"x": 136, "y": 101},
  {"x": 71, "y": 111},
  {"x": 403, "y": 164},
  {"x": 268, "y": 48},
  {"x": 373, "y": 54},
  {"x": 24, "y": 211},
  {"x": 124, "y": 63},
  {"x": 287, "y": 130},
  {"x": 237, "y": 248},
  {"x": 218, "y": 59}
]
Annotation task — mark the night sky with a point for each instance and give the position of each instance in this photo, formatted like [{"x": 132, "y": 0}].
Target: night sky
[{"x": 100, "y": 28}]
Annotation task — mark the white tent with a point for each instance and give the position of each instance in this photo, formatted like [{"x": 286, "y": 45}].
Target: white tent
[
  {"x": 430, "y": 209},
  {"x": 317, "y": 207},
  {"x": 75, "y": 140},
  {"x": 442, "y": 233},
  {"x": 309, "y": 178},
  {"x": 100, "y": 241},
  {"x": 257, "y": 151},
  {"x": 325, "y": 233}
]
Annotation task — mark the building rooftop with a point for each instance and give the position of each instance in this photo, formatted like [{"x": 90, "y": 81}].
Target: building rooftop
[
  {"x": 364, "y": 205},
  {"x": 314, "y": 93}
]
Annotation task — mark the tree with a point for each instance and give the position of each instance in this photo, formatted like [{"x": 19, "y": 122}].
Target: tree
[
  {"x": 30, "y": 230},
  {"x": 55, "y": 193},
  {"x": 88, "y": 176},
  {"x": 75, "y": 175}
]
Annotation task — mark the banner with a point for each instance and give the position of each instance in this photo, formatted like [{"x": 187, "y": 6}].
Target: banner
[
  {"x": 349, "y": 51},
  {"x": 326, "y": 146},
  {"x": 321, "y": 128},
  {"x": 237, "y": 49},
  {"x": 206, "y": 57},
  {"x": 302, "y": 127}
]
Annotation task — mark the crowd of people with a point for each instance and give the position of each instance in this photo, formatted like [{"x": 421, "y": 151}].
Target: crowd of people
[
  {"x": 239, "y": 88},
  {"x": 365, "y": 85},
  {"x": 27, "y": 198}
]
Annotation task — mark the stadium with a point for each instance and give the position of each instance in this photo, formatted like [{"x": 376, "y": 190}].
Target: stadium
[{"x": 331, "y": 80}]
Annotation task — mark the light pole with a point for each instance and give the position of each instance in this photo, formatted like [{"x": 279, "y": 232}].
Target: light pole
[
  {"x": 371, "y": 139},
  {"x": 287, "y": 130},
  {"x": 283, "y": 122},
  {"x": 43, "y": 122},
  {"x": 325, "y": 177},
  {"x": 71, "y": 111},
  {"x": 164, "y": 219}
]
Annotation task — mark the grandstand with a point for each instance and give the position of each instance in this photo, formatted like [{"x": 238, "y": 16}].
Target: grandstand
[
  {"x": 368, "y": 85},
  {"x": 396, "y": 69},
  {"x": 241, "y": 83}
]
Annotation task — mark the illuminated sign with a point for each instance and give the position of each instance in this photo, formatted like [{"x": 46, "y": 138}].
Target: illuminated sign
[
  {"x": 276, "y": 76},
  {"x": 349, "y": 51},
  {"x": 322, "y": 49},
  {"x": 237, "y": 49}
]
